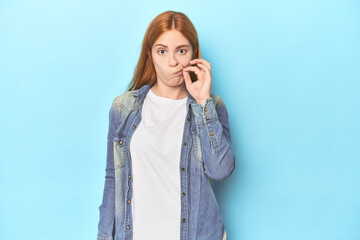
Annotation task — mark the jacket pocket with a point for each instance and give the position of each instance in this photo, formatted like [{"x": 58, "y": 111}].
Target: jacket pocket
[
  {"x": 119, "y": 151},
  {"x": 197, "y": 145}
]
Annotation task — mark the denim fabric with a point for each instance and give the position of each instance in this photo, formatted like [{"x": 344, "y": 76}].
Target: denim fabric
[{"x": 206, "y": 156}]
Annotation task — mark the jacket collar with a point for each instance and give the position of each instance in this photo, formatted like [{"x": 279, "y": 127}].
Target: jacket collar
[{"x": 142, "y": 91}]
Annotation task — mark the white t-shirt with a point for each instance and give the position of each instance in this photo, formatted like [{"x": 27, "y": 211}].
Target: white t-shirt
[{"x": 155, "y": 149}]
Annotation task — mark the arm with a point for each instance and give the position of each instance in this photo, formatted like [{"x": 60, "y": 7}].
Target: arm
[
  {"x": 107, "y": 208},
  {"x": 213, "y": 127}
]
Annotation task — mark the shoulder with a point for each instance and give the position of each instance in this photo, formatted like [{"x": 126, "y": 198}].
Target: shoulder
[{"x": 125, "y": 101}]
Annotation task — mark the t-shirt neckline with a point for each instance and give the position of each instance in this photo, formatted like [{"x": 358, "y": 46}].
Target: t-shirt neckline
[{"x": 152, "y": 95}]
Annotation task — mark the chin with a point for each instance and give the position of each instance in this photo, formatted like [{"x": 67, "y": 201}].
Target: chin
[{"x": 177, "y": 81}]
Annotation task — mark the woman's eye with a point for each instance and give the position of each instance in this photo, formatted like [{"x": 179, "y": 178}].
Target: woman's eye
[{"x": 162, "y": 51}]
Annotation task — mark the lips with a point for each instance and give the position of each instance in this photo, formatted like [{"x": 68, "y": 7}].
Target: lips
[{"x": 178, "y": 72}]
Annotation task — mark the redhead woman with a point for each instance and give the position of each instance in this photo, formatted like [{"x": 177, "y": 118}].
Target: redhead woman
[{"x": 168, "y": 140}]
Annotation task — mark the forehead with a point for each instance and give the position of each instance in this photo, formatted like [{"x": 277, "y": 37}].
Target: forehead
[{"x": 172, "y": 38}]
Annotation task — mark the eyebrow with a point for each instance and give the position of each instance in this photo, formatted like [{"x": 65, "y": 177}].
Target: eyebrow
[{"x": 184, "y": 45}]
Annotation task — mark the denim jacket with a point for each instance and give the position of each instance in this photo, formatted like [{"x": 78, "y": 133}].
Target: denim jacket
[{"x": 206, "y": 156}]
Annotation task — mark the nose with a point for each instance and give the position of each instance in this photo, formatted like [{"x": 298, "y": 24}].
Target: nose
[{"x": 173, "y": 62}]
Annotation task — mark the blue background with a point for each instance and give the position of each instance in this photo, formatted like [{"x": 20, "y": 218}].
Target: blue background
[{"x": 288, "y": 72}]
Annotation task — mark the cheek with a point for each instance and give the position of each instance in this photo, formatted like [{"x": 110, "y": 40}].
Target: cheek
[
  {"x": 158, "y": 64},
  {"x": 185, "y": 61}
]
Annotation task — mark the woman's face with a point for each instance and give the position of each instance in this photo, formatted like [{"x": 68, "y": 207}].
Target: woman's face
[{"x": 171, "y": 52}]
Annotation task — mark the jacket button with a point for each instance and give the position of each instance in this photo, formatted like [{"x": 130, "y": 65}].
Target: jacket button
[
  {"x": 133, "y": 127},
  {"x": 182, "y": 169},
  {"x": 188, "y": 119},
  {"x": 128, "y": 227},
  {"x": 205, "y": 109},
  {"x": 129, "y": 176},
  {"x": 184, "y": 143},
  {"x": 183, "y": 220},
  {"x": 211, "y": 133},
  {"x": 207, "y": 118},
  {"x": 128, "y": 200},
  {"x": 184, "y": 193},
  {"x": 120, "y": 142}
]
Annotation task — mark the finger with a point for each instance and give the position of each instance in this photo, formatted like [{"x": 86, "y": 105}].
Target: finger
[
  {"x": 193, "y": 69},
  {"x": 187, "y": 78},
  {"x": 204, "y": 68},
  {"x": 203, "y": 61}
]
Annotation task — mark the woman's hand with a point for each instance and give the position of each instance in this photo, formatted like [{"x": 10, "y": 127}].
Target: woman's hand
[{"x": 199, "y": 89}]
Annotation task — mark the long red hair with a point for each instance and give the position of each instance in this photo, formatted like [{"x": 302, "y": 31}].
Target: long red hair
[{"x": 144, "y": 72}]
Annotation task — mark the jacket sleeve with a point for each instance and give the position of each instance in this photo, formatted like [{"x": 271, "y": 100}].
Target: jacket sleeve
[
  {"x": 215, "y": 139},
  {"x": 106, "y": 227}
]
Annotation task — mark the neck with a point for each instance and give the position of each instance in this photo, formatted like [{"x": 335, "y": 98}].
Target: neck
[{"x": 172, "y": 92}]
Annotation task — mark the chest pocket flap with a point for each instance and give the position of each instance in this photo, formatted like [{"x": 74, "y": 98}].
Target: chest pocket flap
[{"x": 119, "y": 151}]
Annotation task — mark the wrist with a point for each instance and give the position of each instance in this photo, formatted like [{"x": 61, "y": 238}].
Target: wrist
[{"x": 202, "y": 101}]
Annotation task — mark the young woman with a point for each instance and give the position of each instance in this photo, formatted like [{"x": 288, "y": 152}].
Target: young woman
[{"x": 168, "y": 139}]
